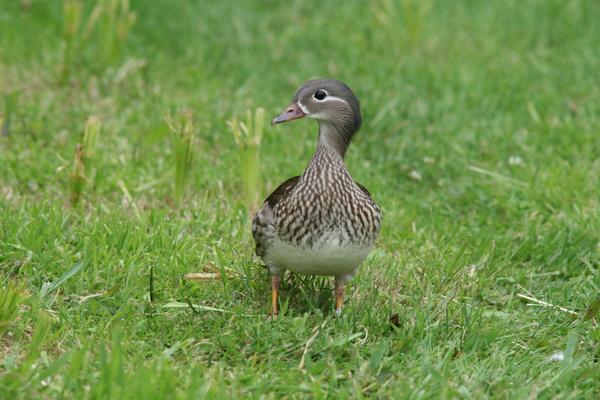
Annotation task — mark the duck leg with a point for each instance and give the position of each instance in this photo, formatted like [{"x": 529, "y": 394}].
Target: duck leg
[
  {"x": 339, "y": 295},
  {"x": 275, "y": 281}
]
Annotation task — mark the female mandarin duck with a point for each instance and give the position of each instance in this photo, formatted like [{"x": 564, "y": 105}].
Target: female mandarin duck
[{"x": 323, "y": 222}]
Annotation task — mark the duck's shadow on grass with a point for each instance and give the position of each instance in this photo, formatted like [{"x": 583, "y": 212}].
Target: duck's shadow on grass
[
  {"x": 297, "y": 294},
  {"x": 305, "y": 294}
]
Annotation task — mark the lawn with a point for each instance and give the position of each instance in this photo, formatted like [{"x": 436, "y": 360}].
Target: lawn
[{"x": 480, "y": 142}]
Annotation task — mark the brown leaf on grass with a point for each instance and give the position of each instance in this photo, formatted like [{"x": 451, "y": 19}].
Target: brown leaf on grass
[
  {"x": 592, "y": 309},
  {"x": 395, "y": 320}
]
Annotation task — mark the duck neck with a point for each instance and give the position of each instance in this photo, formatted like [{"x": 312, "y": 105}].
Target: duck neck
[{"x": 334, "y": 138}]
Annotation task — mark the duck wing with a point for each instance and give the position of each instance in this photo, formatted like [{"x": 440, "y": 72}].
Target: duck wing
[
  {"x": 262, "y": 224},
  {"x": 364, "y": 189}
]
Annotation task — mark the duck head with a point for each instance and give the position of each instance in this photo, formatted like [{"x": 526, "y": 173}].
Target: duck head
[{"x": 333, "y": 104}]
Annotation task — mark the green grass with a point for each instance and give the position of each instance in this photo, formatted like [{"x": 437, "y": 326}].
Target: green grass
[{"x": 481, "y": 143}]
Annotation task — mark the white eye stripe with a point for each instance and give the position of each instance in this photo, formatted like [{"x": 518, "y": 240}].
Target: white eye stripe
[
  {"x": 333, "y": 98},
  {"x": 326, "y": 99}
]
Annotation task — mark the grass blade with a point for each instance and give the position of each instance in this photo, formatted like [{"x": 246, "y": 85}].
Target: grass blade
[
  {"x": 183, "y": 131},
  {"x": 248, "y": 136},
  {"x": 48, "y": 288},
  {"x": 11, "y": 295}
]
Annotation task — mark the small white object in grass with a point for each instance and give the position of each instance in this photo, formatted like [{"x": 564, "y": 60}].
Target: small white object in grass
[
  {"x": 428, "y": 160},
  {"x": 415, "y": 175},
  {"x": 202, "y": 276},
  {"x": 515, "y": 160},
  {"x": 558, "y": 356},
  {"x": 472, "y": 270}
]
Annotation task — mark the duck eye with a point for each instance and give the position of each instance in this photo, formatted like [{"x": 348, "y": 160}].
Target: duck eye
[{"x": 320, "y": 94}]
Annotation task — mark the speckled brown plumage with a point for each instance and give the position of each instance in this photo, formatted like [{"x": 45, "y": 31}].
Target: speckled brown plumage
[{"x": 322, "y": 222}]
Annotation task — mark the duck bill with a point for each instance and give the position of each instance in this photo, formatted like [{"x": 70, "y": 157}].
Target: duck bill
[{"x": 293, "y": 111}]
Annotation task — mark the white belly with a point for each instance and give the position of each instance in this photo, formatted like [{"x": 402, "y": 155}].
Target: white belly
[{"x": 327, "y": 258}]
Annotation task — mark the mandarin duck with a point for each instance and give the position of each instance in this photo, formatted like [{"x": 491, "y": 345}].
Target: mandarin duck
[{"x": 322, "y": 222}]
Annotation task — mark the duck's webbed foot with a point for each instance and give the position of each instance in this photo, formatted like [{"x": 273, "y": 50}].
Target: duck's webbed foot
[{"x": 340, "y": 285}]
